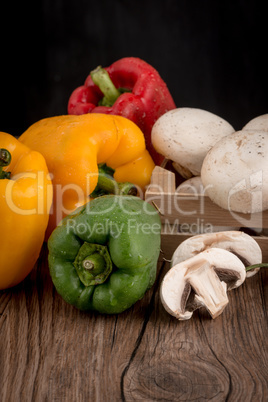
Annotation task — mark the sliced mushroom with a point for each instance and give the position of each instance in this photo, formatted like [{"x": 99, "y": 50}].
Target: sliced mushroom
[
  {"x": 185, "y": 135},
  {"x": 239, "y": 243},
  {"x": 201, "y": 281}
]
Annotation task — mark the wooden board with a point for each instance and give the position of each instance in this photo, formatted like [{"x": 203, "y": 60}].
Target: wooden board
[
  {"x": 49, "y": 351},
  {"x": 170, "y": 240},
  {"x": 184, "y": 215},
  {"x": 194, "y": 208}
]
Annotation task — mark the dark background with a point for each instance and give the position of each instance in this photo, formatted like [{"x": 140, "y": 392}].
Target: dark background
[{"x": 212, "y": 54}]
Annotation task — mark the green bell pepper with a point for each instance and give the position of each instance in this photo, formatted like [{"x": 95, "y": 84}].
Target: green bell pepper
[{"x": 103, "y": 257}]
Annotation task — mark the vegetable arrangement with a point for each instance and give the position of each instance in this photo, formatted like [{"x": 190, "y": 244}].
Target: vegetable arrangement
[
  {"x": 75, "y": 149},
  {"x": 77, "y": 182},
  {"x": 230, "y": 164},
  {"x": 229, "y": 167},
  {"x": 100, "y": 159}
]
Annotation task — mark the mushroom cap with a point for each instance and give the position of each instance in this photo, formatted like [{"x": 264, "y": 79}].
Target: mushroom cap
[
  {"x": 239, "y": 243},
  {"x": 185, "y": 135},
  {"x": 191, "y": 186},
  {"x": 259, "y": 123},
  {"x": 202, "y": 279},
  {"x": 235, "y": 172}
]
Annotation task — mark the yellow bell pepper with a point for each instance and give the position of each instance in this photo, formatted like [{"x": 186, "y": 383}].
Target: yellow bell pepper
[
  {"x": 75, "y": 146},
  {"x": 25, "y": 201}
]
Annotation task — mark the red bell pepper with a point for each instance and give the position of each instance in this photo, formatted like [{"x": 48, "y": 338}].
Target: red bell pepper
[{"x": 130, "y": 87}]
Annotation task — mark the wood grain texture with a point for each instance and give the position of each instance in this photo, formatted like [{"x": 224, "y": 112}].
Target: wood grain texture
[
  {"x": 49, "y": 351},
  {"x": 194, "y": 208},
  {"x": 171, "y": 240}
]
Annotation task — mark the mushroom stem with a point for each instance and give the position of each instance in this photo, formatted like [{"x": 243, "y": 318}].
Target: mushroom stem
[{"x": 210, "y": 291}]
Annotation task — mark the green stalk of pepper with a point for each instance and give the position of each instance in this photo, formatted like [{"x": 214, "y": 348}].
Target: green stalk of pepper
[
  {"x": 104, "y": 256},
  {"x": 5, "y": 159}
]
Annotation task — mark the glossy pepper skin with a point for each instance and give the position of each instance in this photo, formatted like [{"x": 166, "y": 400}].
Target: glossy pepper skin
[
  {"x": 142, "y": 97},
  {"x": 25, "y": 200},
  {"x": 75, "y": 146},
  {"x": 104, "y": 257}
]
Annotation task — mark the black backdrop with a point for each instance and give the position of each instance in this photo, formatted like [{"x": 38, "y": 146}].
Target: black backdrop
[{"x": 212, "y": 54}]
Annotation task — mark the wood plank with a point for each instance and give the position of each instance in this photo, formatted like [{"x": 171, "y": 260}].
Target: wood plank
[
  {"x": 203, "y": 359},
  {"x": 194, "y": 208},
  {"x": 171, "y": 239},
  {"x": 183, "y": 215},
  {"x": 51, "y": 351}
]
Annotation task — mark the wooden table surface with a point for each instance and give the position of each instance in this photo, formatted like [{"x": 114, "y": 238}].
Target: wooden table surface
[{"x": 49, "y": 351}]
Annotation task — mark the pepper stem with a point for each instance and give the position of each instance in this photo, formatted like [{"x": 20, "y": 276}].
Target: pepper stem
[
  {"x": 5, "y": 159},
  {"x": 111, "y": 186},
  {"x": 108, "y": 185},
  {"x": 250, "y": 267},
  {"x": 93, "y": 264},
  {"x": 101, "y": 78}
]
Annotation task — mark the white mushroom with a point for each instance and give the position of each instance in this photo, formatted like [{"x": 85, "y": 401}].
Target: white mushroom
[
  {"x": 185, "y": 135},
  {"x": 235, "y": 172},
  {"x": 201, "y": 281},
  {"x": 259, "y": 123},
  {"x": 238, "y": 243},
  {"x": 191, "y": 186}
]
